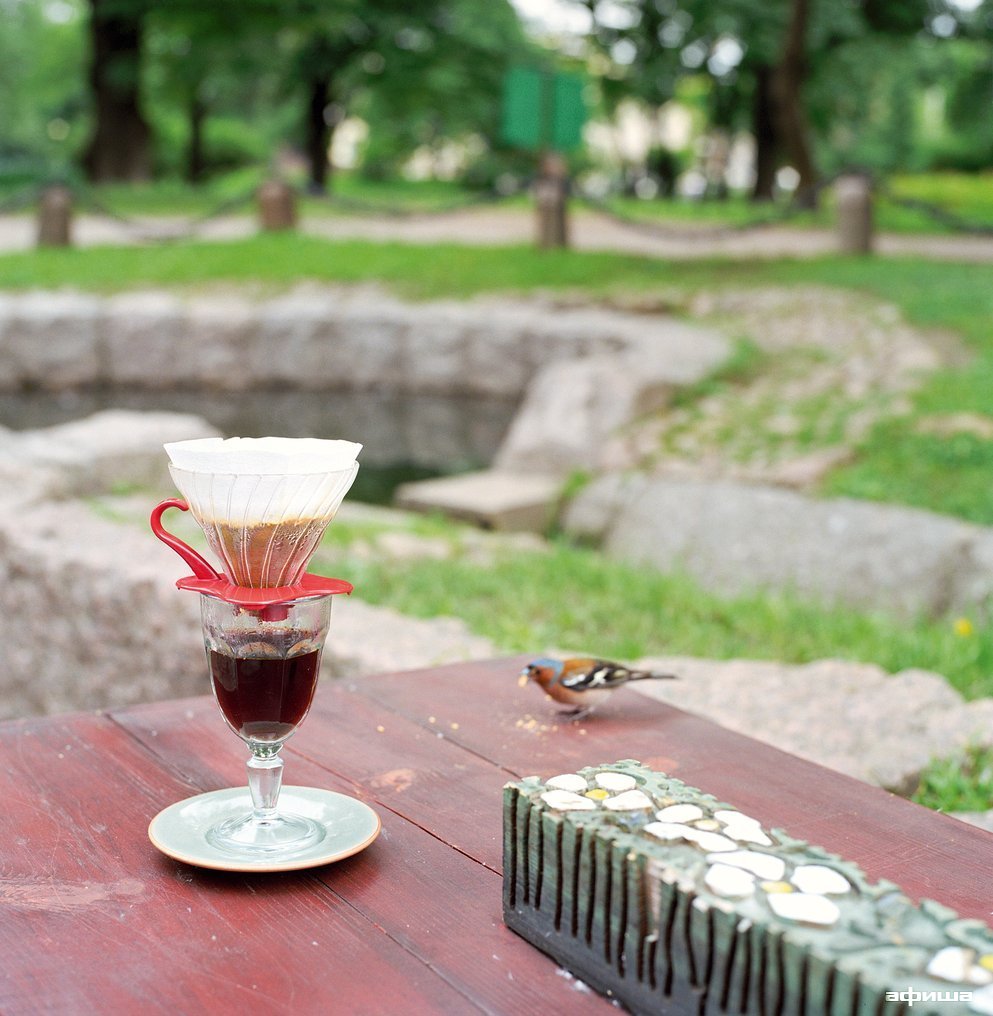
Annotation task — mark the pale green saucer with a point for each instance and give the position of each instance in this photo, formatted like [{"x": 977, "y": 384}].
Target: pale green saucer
[{"x": 179, "y": 830}]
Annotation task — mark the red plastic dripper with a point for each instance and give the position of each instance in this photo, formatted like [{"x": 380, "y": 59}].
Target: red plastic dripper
[
  {"x": 258, "y": 599},
  {"x": 269, "y": 603},
  {"x": 202, "y": 568}
]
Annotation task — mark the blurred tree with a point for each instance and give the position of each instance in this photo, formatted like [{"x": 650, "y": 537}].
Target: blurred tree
[
  {"x": 41, "y": 86},
  {"x": 202, "y": 62},
  {"x": 120, "y": 145},
  {"x": 760, "y": 56},
  {"x": 458, "y": 57},
  {"x": 330, "y": 45},
  {"x": 342, "y": 46}
]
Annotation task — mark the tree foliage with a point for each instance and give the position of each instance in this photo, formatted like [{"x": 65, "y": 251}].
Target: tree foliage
[{"x": 136, "y": 86}]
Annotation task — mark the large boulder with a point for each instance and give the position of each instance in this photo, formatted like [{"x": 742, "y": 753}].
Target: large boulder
[
  {"x": 113, "y": 448},
  {"x": 574, "y": 408},
  {"x": 735, "y": 537},
  {"x": 854, "y": 718}
]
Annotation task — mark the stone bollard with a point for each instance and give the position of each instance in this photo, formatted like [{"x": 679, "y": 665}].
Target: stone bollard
[
  {"x": 55, "y": 217},
  {"x": 853, "y": 196},
  {"x": 277, "y": 206},
  {"x": 550, "y": 202}
]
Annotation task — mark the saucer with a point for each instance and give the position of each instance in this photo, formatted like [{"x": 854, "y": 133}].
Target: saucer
[{"x": 179, "y": 831}]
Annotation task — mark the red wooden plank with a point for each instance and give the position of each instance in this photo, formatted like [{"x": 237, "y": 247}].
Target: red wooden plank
[
  {"x": 928, "y": 854},
  {"x": 96, "y": 920},
  {"x": 409, "y": 768},
  {"x": 439, "y": 904}
]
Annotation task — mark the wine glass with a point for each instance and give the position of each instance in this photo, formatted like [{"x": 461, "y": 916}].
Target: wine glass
[{"x": 263, "y": 667}]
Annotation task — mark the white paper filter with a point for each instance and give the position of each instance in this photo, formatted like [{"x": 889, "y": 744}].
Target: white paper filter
[{"x": 263, "y": 503}]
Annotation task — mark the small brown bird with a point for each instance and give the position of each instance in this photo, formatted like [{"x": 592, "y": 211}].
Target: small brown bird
[{"x": 582, "y": 683}]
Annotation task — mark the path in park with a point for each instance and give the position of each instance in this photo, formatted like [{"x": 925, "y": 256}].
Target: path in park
[{"x": 591, "y": 230}]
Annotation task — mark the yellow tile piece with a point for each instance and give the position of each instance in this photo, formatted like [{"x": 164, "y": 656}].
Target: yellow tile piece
[
  {"x": 986, "y": 962},
  {"x": 777, "y": 887},
  {"x": 597, "y": 794}
]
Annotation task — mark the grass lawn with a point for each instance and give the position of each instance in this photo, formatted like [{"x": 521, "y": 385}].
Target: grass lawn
[
  {"x": 234, "y": 192},
  {"x": 961, "y": 783},
  {"x": 966, "y": 196}
]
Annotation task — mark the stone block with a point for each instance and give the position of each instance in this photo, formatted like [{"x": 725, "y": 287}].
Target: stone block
[
  {"x": 972, "y": 581},
  {"x": 366, "y": 639},
  {"x": 367, "y": 349},
  {"x": 51, "y": 340},
  {"x": 574, "y": 407},
  {"x": 225, "y": 331},
  {"x": 290, "y": 346},
  {"x": 736, "y": 537},
  {"x": 436, "y": 351},
  {"x": 498, "y": 357},
  {"x": 492, "y": 499},
  {"x": 147, "y": 342},
  {"x": 109, "y": 449},
  {"x": 92, "y": 598},
  {"x": 852, "y": 717},
  {"x": 570, "y": 410},
  {"x": 590, "y": 515}
]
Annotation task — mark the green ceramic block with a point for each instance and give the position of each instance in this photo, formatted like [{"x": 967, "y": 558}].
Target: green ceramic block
[{"x": 669, "y": 901}]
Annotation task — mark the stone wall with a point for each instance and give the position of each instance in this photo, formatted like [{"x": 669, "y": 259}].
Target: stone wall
[
  {"x": 312, "y": 338},
  {"x": 583, "y": 373}
]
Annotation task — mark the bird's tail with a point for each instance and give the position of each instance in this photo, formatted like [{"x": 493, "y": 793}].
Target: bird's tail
[{"x": 650, "y": 675}]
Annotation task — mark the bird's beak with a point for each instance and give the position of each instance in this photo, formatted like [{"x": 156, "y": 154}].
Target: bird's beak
[{"x": 523, "y": 679}]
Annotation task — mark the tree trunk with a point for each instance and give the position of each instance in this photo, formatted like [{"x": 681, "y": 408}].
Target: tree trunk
[
  {"x": 120, "y": 148},
  {"x": 791, "y": 117},
  {"x": 766, "y": 140},
  {"x": 318, "y": 133},
  {"x": 196, "y": 162}
]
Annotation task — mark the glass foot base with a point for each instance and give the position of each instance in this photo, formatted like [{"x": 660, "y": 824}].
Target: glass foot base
[{"x": 281, "y": 834}]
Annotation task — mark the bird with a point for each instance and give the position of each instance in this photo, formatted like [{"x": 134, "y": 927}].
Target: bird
[{"x": 582, "y": 683}]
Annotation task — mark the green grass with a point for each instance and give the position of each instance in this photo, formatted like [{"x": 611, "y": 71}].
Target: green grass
[
  {"x": 961, "y": 783},
  {"x": 174, "y": 197},
  {"x": 282, "y": 259},
  {"x": 575, "y": 599},
  {"x": 746, "y": 361},
  {"x": 968, "y": 196}
]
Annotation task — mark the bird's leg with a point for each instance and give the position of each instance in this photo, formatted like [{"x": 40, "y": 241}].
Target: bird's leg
[{"x": 578, "y": 714}]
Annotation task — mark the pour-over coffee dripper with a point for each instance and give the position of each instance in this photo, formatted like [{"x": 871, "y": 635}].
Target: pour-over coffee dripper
[
  {"x": 263, "y": 503},
  {"x": 264, "y": 623}
]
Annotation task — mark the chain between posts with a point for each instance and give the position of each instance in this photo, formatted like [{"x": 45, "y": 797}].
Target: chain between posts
[
  {"x": 188, "y": 229},
  {"x": 795, "y": 208}
]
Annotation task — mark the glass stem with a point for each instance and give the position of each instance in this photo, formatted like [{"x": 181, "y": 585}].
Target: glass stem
[{"x": 265, "y": 777}]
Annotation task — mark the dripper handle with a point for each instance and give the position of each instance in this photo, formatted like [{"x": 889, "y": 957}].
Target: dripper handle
[{"x": 201, "y": 567}]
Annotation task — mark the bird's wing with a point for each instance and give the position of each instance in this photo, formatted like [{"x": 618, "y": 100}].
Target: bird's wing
[{"x": 594, "y": 674}]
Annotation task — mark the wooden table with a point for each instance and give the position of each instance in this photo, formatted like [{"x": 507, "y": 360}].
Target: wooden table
[{"x": 95, "y": 920}]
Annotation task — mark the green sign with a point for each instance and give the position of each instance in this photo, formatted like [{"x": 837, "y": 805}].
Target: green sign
[{"x": 543, "y": 109}]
